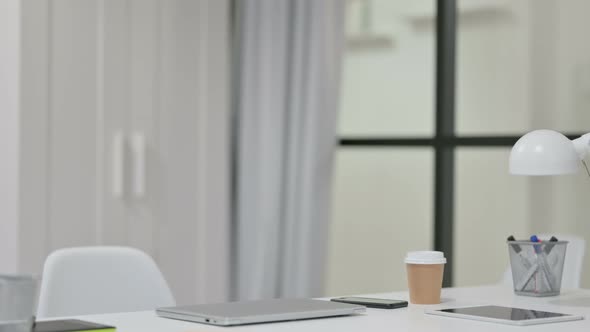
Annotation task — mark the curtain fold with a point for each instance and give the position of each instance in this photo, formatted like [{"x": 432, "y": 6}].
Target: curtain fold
[{"x": 288, "y": 68}]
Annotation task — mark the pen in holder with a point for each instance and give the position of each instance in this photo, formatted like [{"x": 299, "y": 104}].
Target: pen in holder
[{"x": 537, "y": 267}]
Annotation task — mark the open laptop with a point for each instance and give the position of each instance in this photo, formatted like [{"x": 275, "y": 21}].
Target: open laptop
[{"x": 263, "y": 311}]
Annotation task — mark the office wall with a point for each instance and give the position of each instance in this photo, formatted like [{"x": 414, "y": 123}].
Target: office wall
[
  {"x": 9, "y": 131},
  {"x": 99, "y": 70}
]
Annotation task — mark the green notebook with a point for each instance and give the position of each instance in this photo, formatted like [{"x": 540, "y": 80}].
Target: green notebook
[{"x": 70, "y": 325}]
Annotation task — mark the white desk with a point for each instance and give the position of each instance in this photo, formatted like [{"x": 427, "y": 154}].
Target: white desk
[{"x": 376, "y": 320}]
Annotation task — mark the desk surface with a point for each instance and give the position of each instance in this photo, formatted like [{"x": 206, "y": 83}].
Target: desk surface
[{"x": 375, "y": 320}]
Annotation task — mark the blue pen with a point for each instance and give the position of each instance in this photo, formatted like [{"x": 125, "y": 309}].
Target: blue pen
[
  {"x": 541, "y": 262},
  {"x": 534, "y": 238}
]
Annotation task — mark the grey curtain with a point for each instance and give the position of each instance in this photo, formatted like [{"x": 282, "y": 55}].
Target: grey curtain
[{"x": 288, "y": 65}]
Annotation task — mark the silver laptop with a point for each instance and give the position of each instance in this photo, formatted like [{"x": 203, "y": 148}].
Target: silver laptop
[{"x": 263, "y": 311}]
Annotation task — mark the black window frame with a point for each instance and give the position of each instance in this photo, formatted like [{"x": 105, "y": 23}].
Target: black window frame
[{"x": 445, "y": 140}]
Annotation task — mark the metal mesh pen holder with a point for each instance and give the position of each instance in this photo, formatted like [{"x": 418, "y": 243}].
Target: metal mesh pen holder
[{"x": 537, "y": 268}]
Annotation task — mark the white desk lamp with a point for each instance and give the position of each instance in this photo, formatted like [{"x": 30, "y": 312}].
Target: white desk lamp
[{"x": 547, "y": 152}]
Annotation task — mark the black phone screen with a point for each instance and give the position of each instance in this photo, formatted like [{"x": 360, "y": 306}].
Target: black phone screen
[{"x": 373, "y": 302}]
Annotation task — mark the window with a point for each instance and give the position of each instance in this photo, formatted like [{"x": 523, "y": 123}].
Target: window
[{"x": 426, "y": 133}]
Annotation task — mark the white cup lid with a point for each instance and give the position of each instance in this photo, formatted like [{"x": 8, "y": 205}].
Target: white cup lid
[{"x": 426, "y": 257}]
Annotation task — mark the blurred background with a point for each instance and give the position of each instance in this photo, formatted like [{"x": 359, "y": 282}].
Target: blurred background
[
  {"x": 520, "y": 65},
  {"x": 261, "y": 148}
]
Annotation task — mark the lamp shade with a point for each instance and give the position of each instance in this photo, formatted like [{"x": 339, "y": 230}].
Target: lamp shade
[{"x": 543, "y": 152}]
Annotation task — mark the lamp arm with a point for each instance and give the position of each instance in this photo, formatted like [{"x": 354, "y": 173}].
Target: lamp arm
[{"x": 582, "y": 145}]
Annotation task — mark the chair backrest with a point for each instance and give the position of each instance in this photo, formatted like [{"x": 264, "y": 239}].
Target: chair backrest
[
  {"x": 95, "y": 280},
  {"x": 574, "y": 261}
]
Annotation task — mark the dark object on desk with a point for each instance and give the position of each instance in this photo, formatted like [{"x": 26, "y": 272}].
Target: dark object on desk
[
  {"x": 70, "y": 325},
  {"x": 372, "y": 302},
  {"x": 516, "y": 247},
  {"x": 549, "y": 247}
]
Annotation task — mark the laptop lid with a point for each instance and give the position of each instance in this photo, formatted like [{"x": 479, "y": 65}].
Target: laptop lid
[{"x": 249, "y": 312}]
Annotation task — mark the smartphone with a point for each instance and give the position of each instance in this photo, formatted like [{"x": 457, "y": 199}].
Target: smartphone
[{"x": 373, "y": 303}]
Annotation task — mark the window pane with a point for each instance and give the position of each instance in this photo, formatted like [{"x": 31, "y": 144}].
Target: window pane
[
  {"x": 522, "y": 65},
  {"x": 491, "y": 205},
  {"x": 388, "y": 69},
  {"x": 382, "y": 208}
]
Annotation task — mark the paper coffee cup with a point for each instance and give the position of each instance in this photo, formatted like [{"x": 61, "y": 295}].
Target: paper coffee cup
[{"x": 425, "y": 275}]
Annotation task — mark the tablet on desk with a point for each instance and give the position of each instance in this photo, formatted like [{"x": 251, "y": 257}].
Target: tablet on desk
[{"x": 505, "y": 315}]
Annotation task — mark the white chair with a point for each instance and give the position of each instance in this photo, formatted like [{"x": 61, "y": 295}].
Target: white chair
[
  {"x": 574, "y": 260},
  {"x": 95, "y": 280}
]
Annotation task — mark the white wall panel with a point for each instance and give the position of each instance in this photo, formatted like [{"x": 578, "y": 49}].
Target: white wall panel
[
  {"x": 34, "y": 150},
  {"x": 113, "y": 116},
  {"x": 72, "y": 123},
  {"x": 9, "y": 133},
  {"x": 178, "y": 125},
  {"x": 144, "y": 70},
  {"x": 215, "y": 153},
  {"x": 183, "y": 144},
  {"x": 157, "y": 68}
]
